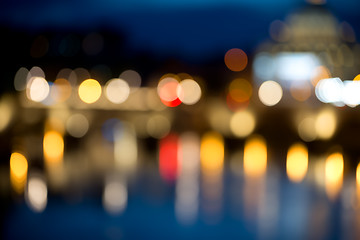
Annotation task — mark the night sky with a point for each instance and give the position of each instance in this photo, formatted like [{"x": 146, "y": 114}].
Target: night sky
[{"x": 190, "y": 29}]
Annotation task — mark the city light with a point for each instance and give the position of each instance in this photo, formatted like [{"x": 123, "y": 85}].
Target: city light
[
  {"x": 358, "y": 181},
  {"x": 18, "y": 171},
  {"x": 242, "y": 123},
  {"x": 168, "y": 157},
  {"x": 236, "y": 59},
  {"x": 255, "y": 156},
  {"x": 117, "y": 90},
  {"x": 204, "y": 121},
  {"x": 37, "y": 89},
  {"x": 212, "y": 153},
  {"x": 53, "y": 147},
  {"x": 325, "y": 124},
  {"x": 334, "y": 170},
  {"x": 188, "y": 91},
  {"x": 168, "y": 89},
  {"x": 270, "y": 93},
  {"x": 89, "y": 91},
  {"x": 297, "y": 162},
  {"x": 36, "y": 194}
]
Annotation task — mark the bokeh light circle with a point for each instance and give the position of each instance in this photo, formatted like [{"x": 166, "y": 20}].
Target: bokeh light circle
[
  {"x": 270, "y": 93},
  {"x": 117, "y": 90},
  {"x": 168, "y": 91},
  {"x": 236, "y": 59},
  {"x": 188, "y": 91},
  {"x": 90, "y": 91},
  {"x": 38, "y": 89},
  {"x": 242, "y": 123}
]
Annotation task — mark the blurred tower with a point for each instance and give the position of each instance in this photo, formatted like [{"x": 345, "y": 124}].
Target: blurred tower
[{"x": 309, "y": 45}]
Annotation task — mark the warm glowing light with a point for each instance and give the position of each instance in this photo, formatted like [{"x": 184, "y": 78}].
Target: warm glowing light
[
  {"x": 240, "y": 90},
  {"x": 212, "y": 153},
  {"x": 53, "y": 147},
  {"x": 37, "y": 89},
  {"x": 236, "y": 59},
  {"x": 36, "y": 194},
  {"x": 242, "y": 123},
  {"x": 168, "y": 89},
  {"x": 61, "y": 90},
  {"x": 115, "y": 195},
  {"x": 77, "y": 125},
  {"x": 89, "y": 91},
  {"x": 189, "y": 92},
  {"x": 357, "y": 78},
  {"x": 297, "y": 162},
  {"x": 168, "y": 157},
  {"x": 255, "y": 156},
  {"x": 325, "y": 124},
  {"x": 270, "y": 93},
  {"x": 117, "y": 90},
  {"x": 18, "y": 171},
  {"x": 358, "y": 174},
  {"x": 306, "y": 129},
  {"x": 358, "y": 181},
  {"x": 334, "y": 168},
  {"x": 212, "y": 165},
  {"x": 234, "y": 105}
]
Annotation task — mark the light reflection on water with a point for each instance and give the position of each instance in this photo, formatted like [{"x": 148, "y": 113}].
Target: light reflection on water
[{"x": 206, "y": 189}]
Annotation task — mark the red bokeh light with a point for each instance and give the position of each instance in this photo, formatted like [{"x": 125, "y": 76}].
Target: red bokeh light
[{"x": 168, "y": 157}]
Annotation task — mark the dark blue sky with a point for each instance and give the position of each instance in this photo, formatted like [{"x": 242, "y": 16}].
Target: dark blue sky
[{"x": 186, "y": 28}]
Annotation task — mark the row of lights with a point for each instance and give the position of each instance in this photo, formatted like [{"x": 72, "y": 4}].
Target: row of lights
[
  {"x": 339, "y": 93},
  {"x": 171, "y": 89},
  {"x": 206, "y": 153}
]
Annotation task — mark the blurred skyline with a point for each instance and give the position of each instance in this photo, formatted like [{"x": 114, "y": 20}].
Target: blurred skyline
[{"x": 189, "y": 30}]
